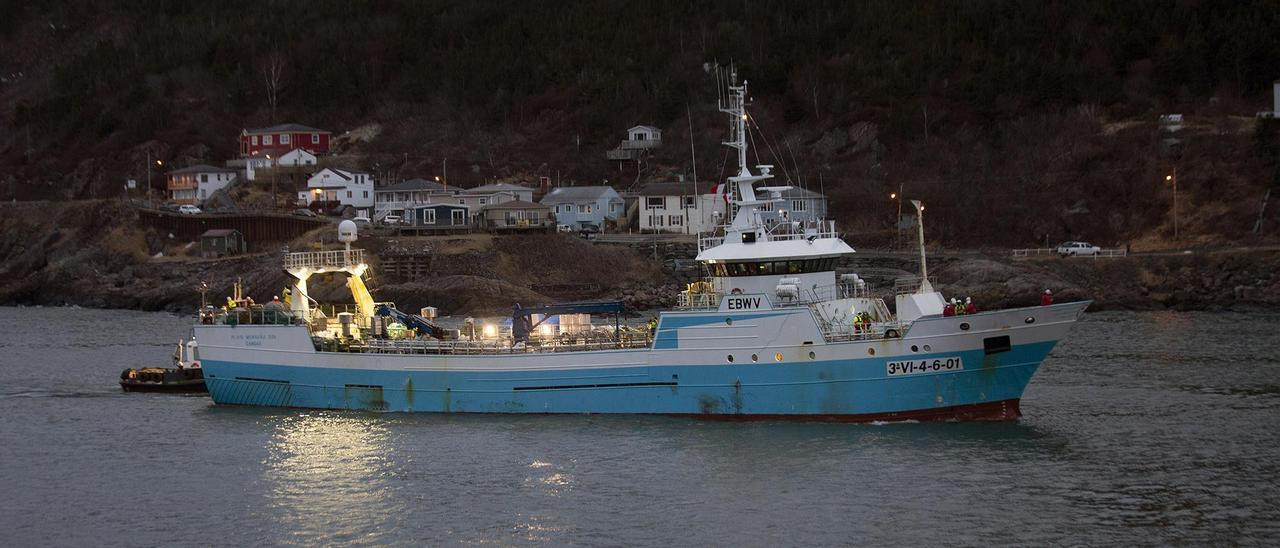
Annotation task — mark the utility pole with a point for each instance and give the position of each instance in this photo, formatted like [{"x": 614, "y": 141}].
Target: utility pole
[{"x": 273, "y": 181}]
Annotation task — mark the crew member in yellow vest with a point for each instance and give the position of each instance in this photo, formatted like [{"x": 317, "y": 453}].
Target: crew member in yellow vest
[{"x": 288, "y": 297}]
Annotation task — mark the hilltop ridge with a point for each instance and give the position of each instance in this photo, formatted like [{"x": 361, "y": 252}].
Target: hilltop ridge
[{"x": 1013, "y": 122}]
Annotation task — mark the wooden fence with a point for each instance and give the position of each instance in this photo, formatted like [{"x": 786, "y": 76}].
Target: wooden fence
[{"x": 261, "y": 231}]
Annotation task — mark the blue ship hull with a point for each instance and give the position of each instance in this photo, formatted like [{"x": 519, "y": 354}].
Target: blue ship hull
[{"x": 858, "y": 389}]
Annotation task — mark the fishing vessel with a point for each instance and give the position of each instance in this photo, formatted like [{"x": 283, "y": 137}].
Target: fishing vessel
[
  {"x": 771, "y": 333},
  {"x": 185, "y": 377}
]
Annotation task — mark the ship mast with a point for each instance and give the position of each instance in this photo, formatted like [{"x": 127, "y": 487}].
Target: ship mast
[{"x": 734, "y": 104}]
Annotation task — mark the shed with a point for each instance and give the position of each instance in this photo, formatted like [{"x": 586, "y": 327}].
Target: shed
[
  {"x": 440, "y": 215},
  {"x": 221, "y": 242}
]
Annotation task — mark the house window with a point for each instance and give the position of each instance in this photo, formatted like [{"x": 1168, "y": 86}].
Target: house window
[
  {"x": 639, "y": 136},
  {"x": 676, "y": 220},
  {"x": 348, "y": 193},
  {"x": 584, "y": 208},
  {"x": 254, "y": 139},
  {"x": 690, "y": 202},
  {"x": 266, "y": 139},
  {"x": 655, "y": 202},
  {"x": 428, "y": 216},
  {"x": 459, "y": 217},
  {"x": 658, "y": 219},
  {"x": 204, "y": 177},
  {"x": 366, "y": 194},
  {"x": 483, "y": 201},
  {"x": 203, "y": 193},
  {"x": 613, "y": 207},
  {"x": 315, "y": 138},
  {"x": 797, "y": 205},
  {"x": 566, "y": 208},
  {"x": 462, "y": 201},
  {"x": 284, "y": 139}
]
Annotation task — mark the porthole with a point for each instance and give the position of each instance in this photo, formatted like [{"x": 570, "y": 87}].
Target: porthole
[
  {"x": 777, "y": 356},
  {"x": 964, "y": 326},
  {"x": 1030, "y": 320},
  {"x": 730, "y": 358},
  {"x": 813, "y": 356},
  {"x": 915, "y": 348},
  {"x": 928, "y": 348},
  {"x": 871, "y": 351},
  {"x": 728, "y": 321},
  {"x": 755, "y": 358}
]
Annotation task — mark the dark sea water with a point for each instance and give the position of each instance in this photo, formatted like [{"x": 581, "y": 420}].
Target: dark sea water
[{"x": 1153, "y": 428}]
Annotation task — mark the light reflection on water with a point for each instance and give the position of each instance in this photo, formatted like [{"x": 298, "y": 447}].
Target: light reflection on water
[
  {"x": 1154, "y": 428},
  {"x": 330, "y": 476}
]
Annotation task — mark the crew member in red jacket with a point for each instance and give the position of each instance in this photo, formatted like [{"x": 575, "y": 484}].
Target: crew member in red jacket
[{"x": 1047, "y": 298}]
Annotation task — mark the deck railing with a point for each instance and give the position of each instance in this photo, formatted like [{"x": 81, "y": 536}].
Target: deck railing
[
  {"x": 324, "y": 259},
  {"x": 779, "y": 232}
]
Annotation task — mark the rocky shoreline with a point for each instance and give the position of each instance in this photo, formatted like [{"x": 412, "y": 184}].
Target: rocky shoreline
[{"x": 93, "y": 260}]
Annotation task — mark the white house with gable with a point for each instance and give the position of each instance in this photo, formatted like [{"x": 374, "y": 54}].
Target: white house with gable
[
  {"x": 194, "y": 185},
  {"x": 683, "y": 208},
  {"x": 335, "y": 186}
]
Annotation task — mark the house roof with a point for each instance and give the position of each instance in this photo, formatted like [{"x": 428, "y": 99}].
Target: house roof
[
  {"x": 650, "y": 128},
  {"x": 497, "y": 187},
  {"x": 578, "y": 193},
  {"x": 219, "y": 232},
  {"x": 345, "y": 174},
  {"x": 439, "y": 205},
  {"x": 202, "y": 168},
  {"x": 283, "y": 128},
  {"x": 674, "y": 189},
  {"x": 515, "y": 204},
  {"x": 797, "y": 192},
  {"x": 412, "y": 184}
]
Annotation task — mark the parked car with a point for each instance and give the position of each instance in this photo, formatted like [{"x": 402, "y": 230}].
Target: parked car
[
  {"x": 188, "y": 210},
  {"x": 1074, "y": 249},
  {"x": 303, "y": 212},
  {"x": 564, "y": 228},
  {"x": 392, "y": 220},
  {"x": 361, "y": 220},
  {"x": 587, "y": 229}
]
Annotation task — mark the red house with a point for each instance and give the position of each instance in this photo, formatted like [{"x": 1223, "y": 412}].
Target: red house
[{"x": 276, "y": 140}]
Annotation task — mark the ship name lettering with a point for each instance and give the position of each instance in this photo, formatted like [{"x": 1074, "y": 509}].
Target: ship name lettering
[{"x": 744, "y": 303}]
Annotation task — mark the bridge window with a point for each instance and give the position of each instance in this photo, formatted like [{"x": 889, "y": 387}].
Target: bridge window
[{"x": 772, "y": 268}]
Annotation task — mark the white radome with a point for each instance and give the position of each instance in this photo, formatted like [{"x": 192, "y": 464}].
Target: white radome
[{"x": 347, "y": 231}]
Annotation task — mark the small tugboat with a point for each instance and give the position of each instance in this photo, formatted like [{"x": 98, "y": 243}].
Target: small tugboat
[{"x": 186, "y": 377}]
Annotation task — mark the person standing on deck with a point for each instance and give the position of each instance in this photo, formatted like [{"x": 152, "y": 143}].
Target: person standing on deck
[
  {"x": 969, "y": 307},
  {"x": 1047, "y": 298}
]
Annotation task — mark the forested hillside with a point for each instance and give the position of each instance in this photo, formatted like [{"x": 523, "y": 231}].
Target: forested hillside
[{"x": 1013, "y": 120}]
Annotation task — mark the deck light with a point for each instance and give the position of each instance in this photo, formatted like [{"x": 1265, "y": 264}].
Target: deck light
[{"x": 490, "y": 331}]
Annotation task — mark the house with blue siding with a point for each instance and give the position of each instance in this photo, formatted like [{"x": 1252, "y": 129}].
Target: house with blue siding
[
  {"x": 576, "y": 206},
  {"x": 439, "y": 215},
  {"x": 800, "y": 205}
]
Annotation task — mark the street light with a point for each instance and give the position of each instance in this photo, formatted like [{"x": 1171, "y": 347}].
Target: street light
[
  {"x": 158, "y": 163},
  {"x": 925, "y": 286},
  {"x": 1173, "y": 179},
  {"x": 897, "y": 222}
]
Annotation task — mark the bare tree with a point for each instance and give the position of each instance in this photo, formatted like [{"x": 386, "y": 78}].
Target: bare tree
[{"x": 273, "y": 75}]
